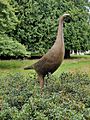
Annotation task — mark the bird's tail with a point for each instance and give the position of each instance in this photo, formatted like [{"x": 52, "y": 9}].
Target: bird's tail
[{"x": 28, "y": 67}]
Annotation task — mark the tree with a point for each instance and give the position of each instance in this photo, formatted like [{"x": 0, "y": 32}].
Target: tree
[
  {"x": 79, "y": 36},
  {"x": 39, "y": 20},
  {"x": 9, "y": 48},
  {"x": 8, "y": 19}
]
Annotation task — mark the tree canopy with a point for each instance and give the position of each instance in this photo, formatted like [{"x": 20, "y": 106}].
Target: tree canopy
[
  {"x": 9, "y": 47},
  {"x": 35, "y": 23},
  {"x": 8, "y": 19}
]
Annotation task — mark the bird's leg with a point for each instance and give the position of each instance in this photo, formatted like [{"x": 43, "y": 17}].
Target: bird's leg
[{"x": 41, "y": 80}]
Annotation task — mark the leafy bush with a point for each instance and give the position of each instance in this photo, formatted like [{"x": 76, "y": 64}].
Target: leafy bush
[
  {"x": 39, "y": 22},
  {"x": 11, "y": 49},
  {"x": 66, "y": 98},
  {"x": 8, "y": 19}
]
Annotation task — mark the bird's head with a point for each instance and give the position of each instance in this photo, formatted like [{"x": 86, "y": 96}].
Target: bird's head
[{"x": 66, "y": 17}]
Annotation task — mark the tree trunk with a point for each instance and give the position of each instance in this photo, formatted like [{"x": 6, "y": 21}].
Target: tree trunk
[
  {"x": 67, "y": 54},
  {"x": 75, "y": 51}
]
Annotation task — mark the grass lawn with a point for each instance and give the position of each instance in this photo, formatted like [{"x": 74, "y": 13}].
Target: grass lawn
[{"x": 75, "y": 64}]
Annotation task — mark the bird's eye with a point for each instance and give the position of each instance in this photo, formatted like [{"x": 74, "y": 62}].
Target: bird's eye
[{"x": 67, "y": 19}]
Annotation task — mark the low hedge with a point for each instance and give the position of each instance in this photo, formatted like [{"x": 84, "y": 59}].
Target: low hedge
[
  {"x": 11, "y": 48},
  {"x": 64, "y": 98}
]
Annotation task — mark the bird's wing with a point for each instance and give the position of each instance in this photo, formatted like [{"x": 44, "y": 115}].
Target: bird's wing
[{"x": 46, "y": 64}]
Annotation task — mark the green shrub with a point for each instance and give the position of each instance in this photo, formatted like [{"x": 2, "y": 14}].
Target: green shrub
[
  {"x": 39, "y": 22},
  {"x": 64, "y": 98},
  {"x": 8, "y": 19},
  {"x": 16, "y": 89},
  {"x": 11, "y": 49}
]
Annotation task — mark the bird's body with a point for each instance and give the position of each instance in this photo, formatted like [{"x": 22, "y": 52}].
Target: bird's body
[
  {"x": 53, "y": 58},
  {"x": 49, "y": 62}
]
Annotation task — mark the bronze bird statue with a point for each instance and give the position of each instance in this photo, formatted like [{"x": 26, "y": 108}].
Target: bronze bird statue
[{"x": 53, "y": 58}]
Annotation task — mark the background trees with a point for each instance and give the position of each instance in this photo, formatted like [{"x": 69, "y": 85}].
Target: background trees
[
  {"x": 9, "y": 47},
  {"x": 8, "y": 19},
  {"x": 35, "y": 24},
  {"x": 78, "y": 36}
]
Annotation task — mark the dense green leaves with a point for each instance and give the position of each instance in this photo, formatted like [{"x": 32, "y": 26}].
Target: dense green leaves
[
  {"x": 11, "y": 49},
  {"x": 35, "y": 23},
  {"x": 39, "y": 23},
  {"x": 64, "y": 98},
  {"x": 8, "y": 19}
]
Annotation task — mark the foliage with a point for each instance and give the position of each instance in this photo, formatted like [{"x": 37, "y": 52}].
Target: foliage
[
  {"x": 65, "y": 98},
  {"x": 78, "y": 37},
  {"x": 8, "y": 19},
  {"x": 34, "y": 23},
  {"x": 11, "y": 49},
  {"x": 39, "y": 21}
]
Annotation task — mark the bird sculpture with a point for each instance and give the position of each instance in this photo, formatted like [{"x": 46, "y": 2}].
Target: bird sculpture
[{"x": 53, "y": 58}]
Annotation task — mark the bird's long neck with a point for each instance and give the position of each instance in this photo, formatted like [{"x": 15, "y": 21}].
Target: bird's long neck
[{"x": 60, "y": 38}]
